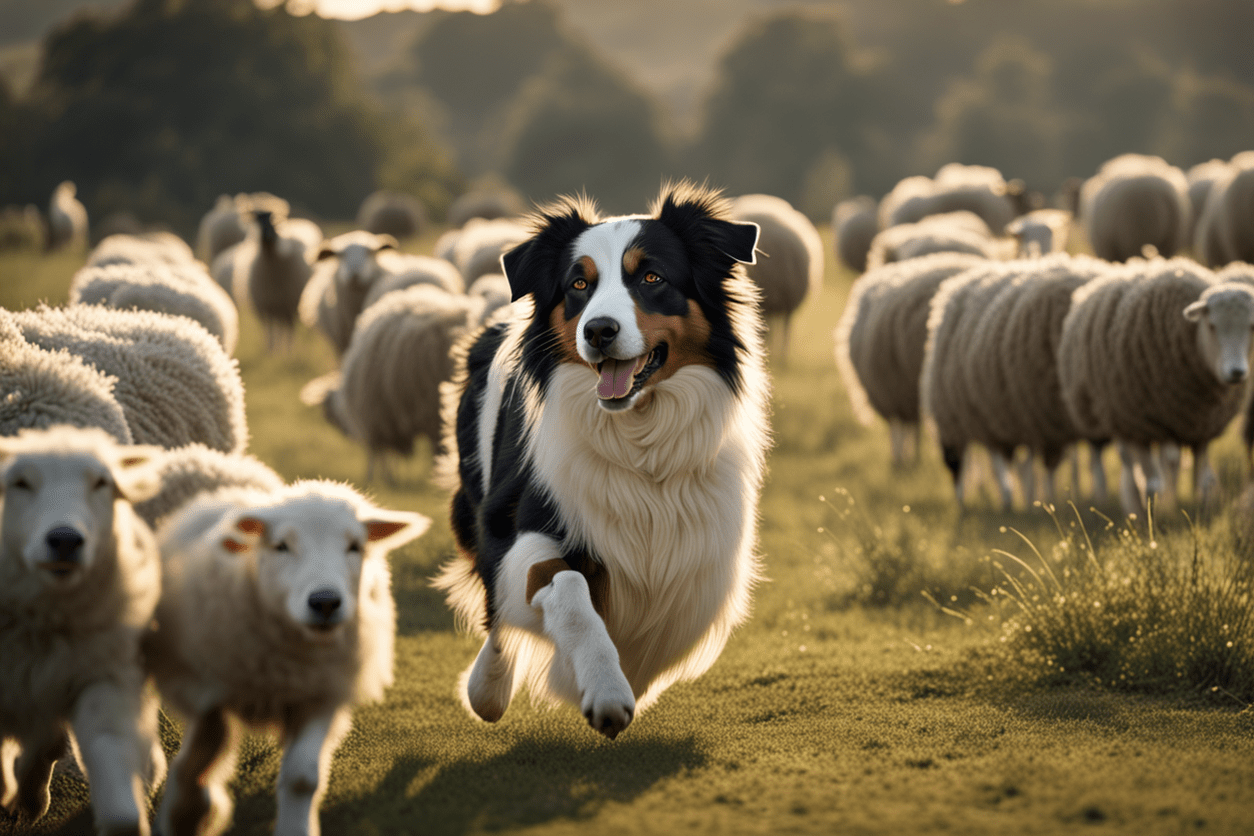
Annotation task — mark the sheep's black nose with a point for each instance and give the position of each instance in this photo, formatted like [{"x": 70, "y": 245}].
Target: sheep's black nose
[
  {"x": 324, "y": 602},
  {"x": 65, "y": 543},
  {"x": 600, "y": 332}
]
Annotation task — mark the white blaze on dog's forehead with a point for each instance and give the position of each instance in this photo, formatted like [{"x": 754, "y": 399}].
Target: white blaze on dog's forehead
[{"x": 605, "y": 244}]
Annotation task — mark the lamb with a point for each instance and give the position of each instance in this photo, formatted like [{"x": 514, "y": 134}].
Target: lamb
[
  {"x": 880, "y": 340},
  {"x": 187, "y": 472},
  {"x": 480, "y": 245},
  {"x": 174, "y": 382},
  {"x": 990, "y": 375},
  {"x": 221, "y": 227},
  {"x": 67, "y": 218},
  {"x": 277, "y": 613},
  {"x": 45, "y": 388},
  {"x": 175, "y": 289},
  {"x": 347, "y": 267},
  {"x": 1157, "y": 353},
  {"x": 486, "y": 203},
  {"x": 392, "y": 213},
  {"x": 1136, "y": 205},
  {"x": 978, "y": 189},
  {"x": 854, "y": 224},
  {"x": 1226, "y": 231},
  {"x": 272, "y": 270},
  {"x": 792, "y": 264},
  {"x": 81, "y": 578},
  {"x": 951, "y": 232}
]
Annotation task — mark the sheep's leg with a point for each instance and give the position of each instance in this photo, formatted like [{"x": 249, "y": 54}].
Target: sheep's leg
[
  {"x": 9, "y": 751},
  {"x": 954, "y": 460},
  {"x": 33, "y": 771},
  {"x": 1169, "y": 455},
  {"x": 196, "y": 802},
  {"x": 897, "y": 442},
  {"x": 1205, "y": 482},
  {"x": 152, "y": 765},
  {"x": 1001, "y": 474},
  {"x": 1027, "y": 478},
  {"x": 914, "y": 437},
  {"x": 1129, "y": 494},
  {"x": 490, "y": 680},
  {"x": 105, "y": 721},
  {"x": 1100, "y": 490},
  {"x": 1074, "y": 457},
  {"x": 538, "y": 592},
  {"x": 303, "y": 773}
]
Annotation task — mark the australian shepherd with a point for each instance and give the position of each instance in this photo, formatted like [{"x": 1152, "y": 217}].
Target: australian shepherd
[{"x": 612, "y": 436}]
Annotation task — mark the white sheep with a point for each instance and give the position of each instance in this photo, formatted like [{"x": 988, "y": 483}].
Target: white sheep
[
  {"x": 392, "y": 213},
  {"x": 43, "y": 388},
  {"x": 79, "y": 581},
  {"x": 854, "y": 224},
  {"x": 1201, "y": 178},
  {"x": 955, "y": 187},
  {"x": 277, "y": 614},
  {"x": 1225, "y": 232},
  {"x": 990, "y": 373},
  {"x": 221, "y": 227},
  {"x": 479, "y": 245},
  {"x": 789, "y": 267},
  {"x": 949, "y": 232},
  {"x": 183, "y": 289},
  {"x": 67, "y": 218},
  {"x": 881, "y": 336},
  {"x": 174, "y": 382},
  {"x": 186, "y": 472},
  {"x": 488, "y": 203},
  {"x": 410, "y": 270},
  {"x": 1041, "y": 232},
  {"x": 347, "y": 267},
  {"x": 272, "y": 267},
  {"x": 142, "y": 248},
  {"x": 1136, "y": 205},
  {"x": 1157, "y": 353}
]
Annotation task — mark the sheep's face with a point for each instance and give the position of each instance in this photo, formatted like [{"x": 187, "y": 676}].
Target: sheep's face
[
  {"x": 357, "y": 268},
  {"x": 1224, "y": 317},
  {"x": 59, "y": 501}
]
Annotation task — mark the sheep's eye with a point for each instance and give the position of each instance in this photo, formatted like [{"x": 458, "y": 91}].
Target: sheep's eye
[
  {"x": 281, "y": 546},
  {"x": 100, "y": 484},
  {"x": 580, "y": 284},
  {"x": 21, "y": 484},
  {"x": 652, "y": 278},
  {"x": 354, "y": 546}
]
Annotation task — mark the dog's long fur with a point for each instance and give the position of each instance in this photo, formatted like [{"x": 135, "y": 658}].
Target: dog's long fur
[{"x": 649, "y": 497}]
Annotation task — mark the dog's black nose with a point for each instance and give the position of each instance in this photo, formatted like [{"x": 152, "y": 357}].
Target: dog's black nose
[
  {"x": 324, "y": 602},
  {"x": 65, "y": 543},
  {"x": 600, "y": 332}
]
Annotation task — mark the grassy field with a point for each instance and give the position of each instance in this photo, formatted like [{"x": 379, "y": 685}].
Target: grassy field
[{"x": 849, "y": 703}]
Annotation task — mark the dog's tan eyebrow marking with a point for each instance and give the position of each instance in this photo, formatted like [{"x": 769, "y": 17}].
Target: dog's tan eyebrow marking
[
  {"x": 631, "y": 260},
  {"x": 589, "y": 268}
]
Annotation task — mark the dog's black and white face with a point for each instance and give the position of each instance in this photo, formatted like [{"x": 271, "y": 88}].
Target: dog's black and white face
[{"x": 635, "y": 298}]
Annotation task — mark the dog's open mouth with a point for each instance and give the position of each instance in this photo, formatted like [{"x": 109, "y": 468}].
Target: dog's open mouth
[{"x": 620, "y": 379}]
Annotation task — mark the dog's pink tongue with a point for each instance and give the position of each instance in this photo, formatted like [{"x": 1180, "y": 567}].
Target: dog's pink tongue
[{"x": 615, "y": 378}]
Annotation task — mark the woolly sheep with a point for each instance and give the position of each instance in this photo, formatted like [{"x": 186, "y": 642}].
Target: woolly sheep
[
  {"x": 174, "y": 382},
  {"x": 1133, "y": 204},
  {"x": 951, "y": 232},
  {"x": 854, "y": 224},
  {"x": 989, "y": 373},
  {"x": 1226, "y": 231},
  {"x": 187, "y": 472},
  {"x": 272, "y": 270},
  {"x": 392, "y": 213},
  {"x": 1201, "y": 178},
  {"x": 277, "y": 614},
  {"x": 880, "y": 340},
  {"x": 956, "y": 187},
  {"x": 347, "y": 267},
  {"x": 175, "y": 289},
  {"x": 144, "y": 248},
  {"x": 67, "y": 218},
  {"x": 486, "y": 203},
  {"x": 1157, "y": 353},
  {"x": 494, "y": 290},
  {"x": 790, "y": 263},
  {"x": 1041, "y": 232},
  {"x": 80, "y": 581},
  {"x": 221, "y": 227},
  {"x": 411, "y": 270},
  {"x": 481, "y": 243},
  {"x": 445, "y": 246},
  {"x": 45, "y": 388}
]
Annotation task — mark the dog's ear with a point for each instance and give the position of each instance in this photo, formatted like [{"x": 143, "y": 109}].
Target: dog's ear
[
  {"x": 531, "y": 266},
  {"x": 740, "y": 240},
  {"x": 700, "y": 218}
]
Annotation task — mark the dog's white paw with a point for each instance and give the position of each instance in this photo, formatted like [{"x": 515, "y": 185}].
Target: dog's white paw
[
  {"x": 609, "y": 705},
  {"x": 489, "y": 683}
]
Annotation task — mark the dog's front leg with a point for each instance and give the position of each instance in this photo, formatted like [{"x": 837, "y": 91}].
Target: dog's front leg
[{"x": 561, "y": 609}]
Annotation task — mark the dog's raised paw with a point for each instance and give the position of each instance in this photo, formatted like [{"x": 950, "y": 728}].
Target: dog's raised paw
[{"x": 609, "y": 710}]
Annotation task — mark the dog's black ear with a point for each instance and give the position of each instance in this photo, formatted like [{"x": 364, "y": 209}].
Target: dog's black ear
[
  {"x": 740, "y": 239},
  {"x": 532, "y": 266},
  {"x": 700, "y": 217},
  {"x": 518, "y": 269}
]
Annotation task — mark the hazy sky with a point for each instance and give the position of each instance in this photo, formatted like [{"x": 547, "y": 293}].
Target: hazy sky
[{"x": 354, "y": 9}]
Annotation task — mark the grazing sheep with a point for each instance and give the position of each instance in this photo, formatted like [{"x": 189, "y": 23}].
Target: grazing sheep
[
  {"x": 174, "y": 382},
  {"x": 951, "y": 232},
  {"x": 990, "y": 373},
  {"x": 790, "y": 266},
  {"x": 1157, "y": 353},
  {"x": 143, "y": 248},
  {"x": 347, "y": 267},
  {"x": 176, "y": 289},
  {"x": 880, "y": 340},
  {"x": 956, "y": 187},
  {"x": 392, "y": 213},
  {"x": 410, "y": 270},
  {"x": 22, "y": 228},
  {"x": 1201, "y": 178},
  {"x": 221, "y": 227},
  {"x": 486, "y": 203},
  {"x": 67, "y": 219},
  {"x": 481, "y": 243},
  {"x": 854, "y": 224},
  {"x": 187, "y": 472},
  {"x": 1225, "y": 232},
  {"x": 1041, "y": 232},
  {"x": 277, "y": 613},
  {"x": 273, "y": 269},
  {"x": 1134, "y": 204},
  {"x": 79, "y": 580},
  {"x": 446, "y": 245}
]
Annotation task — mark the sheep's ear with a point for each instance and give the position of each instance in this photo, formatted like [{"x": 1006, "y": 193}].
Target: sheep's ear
[
  {"x": 324, "y": 252},
  {"x": 136, "y": 472},
  {"x": 251, "y": 528},
  {"x": 387, "y": 242},
  {"x": 1194, "y": 311},
  {"x": 392, "y": 529}
]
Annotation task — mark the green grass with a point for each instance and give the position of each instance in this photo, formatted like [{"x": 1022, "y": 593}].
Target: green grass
[{"x": 847, "y": 704}]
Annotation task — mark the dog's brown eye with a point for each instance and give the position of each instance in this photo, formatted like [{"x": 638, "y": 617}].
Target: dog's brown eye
[
  {"x": 652, "y": 278},
  {"x": 580, "y": 284}
]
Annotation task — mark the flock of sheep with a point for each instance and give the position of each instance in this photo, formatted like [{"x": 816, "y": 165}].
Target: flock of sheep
[{"x": 972, "y": 315}]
